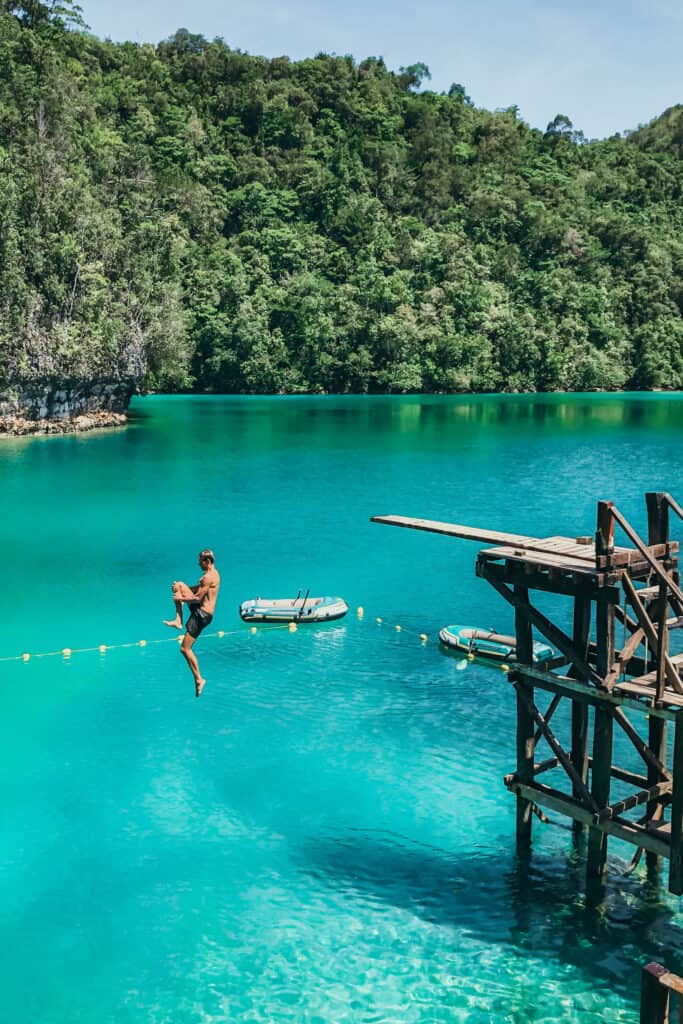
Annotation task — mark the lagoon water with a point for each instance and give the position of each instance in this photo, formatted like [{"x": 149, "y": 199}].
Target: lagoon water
[{"x": 324, "y": 836}]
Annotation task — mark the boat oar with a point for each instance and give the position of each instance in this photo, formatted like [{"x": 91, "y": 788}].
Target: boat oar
[
  {"x": 298, "y": 595},
  {"x": 303, "y": 603}
]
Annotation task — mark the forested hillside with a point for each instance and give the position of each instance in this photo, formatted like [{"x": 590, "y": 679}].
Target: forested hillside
[{"x": 199, "y": 218}]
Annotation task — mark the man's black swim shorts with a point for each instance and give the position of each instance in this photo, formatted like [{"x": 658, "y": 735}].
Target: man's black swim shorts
[{"x": 198, "y": 621}]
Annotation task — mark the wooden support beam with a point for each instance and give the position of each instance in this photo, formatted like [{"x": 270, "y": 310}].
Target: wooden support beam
[
  {"x": 576, "y": 689},
  {"x": 633, "y": 778},
  {"x": 631, "y": 646},
  {"x": 647, "y": 625},
  {"x": 657, "y": 737},
  {"x": 657, "y": 517},
  {"x": 658, "y": 533},
  {"x": 546, "y": 766},
  {"x": 625, "y": 618},
  {"x": 551, "y": 632},
  {"x": 635, "y": 800},
  {"x": 552, "y": 707},
  {"x": 513, "y": 573},
  {"x": 577, "y": 782},
  {"x": 630, "y": 831},
  {"x": 672, "y": 503},
  {"x": 604, "y": 534},
  {"x": 661, "y": 613},
  {"x": 600, "y": 787},
  {"x": 602, "y": 739},
  {"x": 676, "y": 861},
  {"x": 525, "y": 719},
  {"x": 656, "y": 566},
  {"x": 579, "y": 752},
  {"x": 645, "y": 752}
]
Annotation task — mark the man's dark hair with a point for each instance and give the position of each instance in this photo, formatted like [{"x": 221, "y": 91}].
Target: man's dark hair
[{"x": 207, "y": 553}]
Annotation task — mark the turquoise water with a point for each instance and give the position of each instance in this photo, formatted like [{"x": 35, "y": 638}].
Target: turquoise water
[{"x": 324, "y": 836}]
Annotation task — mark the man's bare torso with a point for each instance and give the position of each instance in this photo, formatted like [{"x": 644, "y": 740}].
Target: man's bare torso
[{"x": 212, "y": 580}]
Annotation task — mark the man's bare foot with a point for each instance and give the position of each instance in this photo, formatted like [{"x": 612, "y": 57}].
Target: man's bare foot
[
  {"x": 173, "y": 623},
  {"x": 199, "y": 685}
]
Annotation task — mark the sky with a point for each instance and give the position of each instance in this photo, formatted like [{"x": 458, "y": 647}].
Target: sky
[{"x": 608, "y": 65}]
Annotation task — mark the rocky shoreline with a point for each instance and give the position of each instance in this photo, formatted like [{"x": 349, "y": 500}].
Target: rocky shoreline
[
  {"x": 54, "y": 406},
  {"x": 19, "y": 426}
]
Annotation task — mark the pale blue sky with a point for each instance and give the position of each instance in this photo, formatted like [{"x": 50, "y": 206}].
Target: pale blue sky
[{"x": 609, "y": 65}]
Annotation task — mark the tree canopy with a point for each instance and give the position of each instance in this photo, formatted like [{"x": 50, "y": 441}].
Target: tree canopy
[{"x": 195, "y": 217}]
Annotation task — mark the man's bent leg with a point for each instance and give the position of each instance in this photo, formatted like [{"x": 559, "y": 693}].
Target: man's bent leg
[
  {"x": 190, "y": 658},
  {"x": 176, "y": 623}
]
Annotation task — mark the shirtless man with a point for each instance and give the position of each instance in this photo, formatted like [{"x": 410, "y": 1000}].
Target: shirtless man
[{"x": 201, "y": 599}]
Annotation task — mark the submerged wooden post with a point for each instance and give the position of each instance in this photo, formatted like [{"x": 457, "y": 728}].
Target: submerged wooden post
[
  {"x": 654, "y": 997},
  {"x": 676, "y": 855},
  {"x": 601, "y": 775},
  {"x": 658, "y": 533},
  {"x": 526, "y": 727}
]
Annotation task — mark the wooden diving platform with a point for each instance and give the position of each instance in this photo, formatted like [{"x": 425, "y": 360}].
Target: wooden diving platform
[{"x": 635, "y": 584}]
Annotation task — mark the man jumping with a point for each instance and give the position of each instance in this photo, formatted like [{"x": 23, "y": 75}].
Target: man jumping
[{"x": 201, "y": 600}]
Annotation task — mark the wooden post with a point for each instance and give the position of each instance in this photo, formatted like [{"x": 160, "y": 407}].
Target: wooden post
[
  {"x": 601, "y": 775},
  {"x": 654, "y": 997},
  {"x": 526, "y": 727},
  {"x": 604, "y": 534},
  {"x": 658, "y": 533},
  {"x": 579, "y": 755},
  {"x": 676, "y": 858},
  {"x": 657, "y": 518}
]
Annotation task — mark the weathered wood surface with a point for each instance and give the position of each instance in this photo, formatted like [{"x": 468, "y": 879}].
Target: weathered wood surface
[
  {"x": 654, "y": 995},
  {"x": 630, "y": 831},
  {"x": 560, "y": 551},
  {"x": 630, "y": 698},
  {"x": 456, "y": 530}
]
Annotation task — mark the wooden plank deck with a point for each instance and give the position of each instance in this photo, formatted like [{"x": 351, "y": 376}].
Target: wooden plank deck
[{"x": 564, "y": 553}]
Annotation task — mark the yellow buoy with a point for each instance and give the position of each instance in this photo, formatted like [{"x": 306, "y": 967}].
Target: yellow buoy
[
  {"x": 253, "y": 629},
  {"x": 470, "y": 657},
  {"x": 102, "y": 648},
  {"x": 378, "y": 620},
  {"x": 505, "y": 668},
  {"x": 423, "y": 637},
  {"x": 25, "y": 656},
  {"x": 142, "y": 643},
  {"x": 67, "y": 652},
  {"x": 292, "y": 627},
  {"x": 398, "y": 629},
  {"x": 360, "y": 612},
  {"x": 221, "y": 632}
]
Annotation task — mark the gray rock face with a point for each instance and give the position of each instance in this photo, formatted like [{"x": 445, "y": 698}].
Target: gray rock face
[{"x": 56, "y": 407}]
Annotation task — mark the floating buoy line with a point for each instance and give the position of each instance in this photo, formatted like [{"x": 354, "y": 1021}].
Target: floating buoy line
[
  {"x": 291, "y": 627},
  {"x": 66, "y": 652}
]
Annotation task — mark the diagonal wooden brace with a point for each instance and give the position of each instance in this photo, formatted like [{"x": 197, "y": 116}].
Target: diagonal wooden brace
[
  {"x": 641, "y": 746},
  {"x": 550, "y": 632},
  {"x": 554, "y": 745},
  {"x": 651, "y": 633}
]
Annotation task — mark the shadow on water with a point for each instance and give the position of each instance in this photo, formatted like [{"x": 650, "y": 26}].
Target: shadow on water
[{"x": 533, "y": 906}]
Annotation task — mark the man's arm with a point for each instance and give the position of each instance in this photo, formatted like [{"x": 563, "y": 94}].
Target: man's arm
[
  {"x": 182, "y": 592},
  {"x": 191, "y": 594}
]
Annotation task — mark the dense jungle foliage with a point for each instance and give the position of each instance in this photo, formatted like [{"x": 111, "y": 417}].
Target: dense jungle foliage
[{"x": 197, "y": 217}]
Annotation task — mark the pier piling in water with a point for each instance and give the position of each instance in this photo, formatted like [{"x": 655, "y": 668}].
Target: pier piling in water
[{"x": 633, "y": 691}]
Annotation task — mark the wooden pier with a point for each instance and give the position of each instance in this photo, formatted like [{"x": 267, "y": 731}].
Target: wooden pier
[{"x": 637, "y": 689}]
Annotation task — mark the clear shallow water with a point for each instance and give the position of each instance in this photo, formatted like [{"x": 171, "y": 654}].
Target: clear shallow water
[{"x": 298, "y": 845}]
